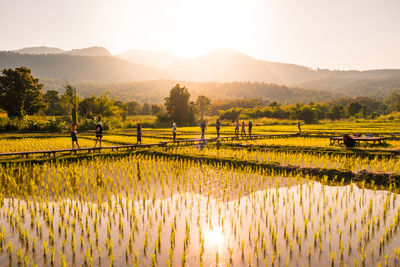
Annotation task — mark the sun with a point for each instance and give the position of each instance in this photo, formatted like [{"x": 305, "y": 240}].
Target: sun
[{"x": 207, "y": 25}]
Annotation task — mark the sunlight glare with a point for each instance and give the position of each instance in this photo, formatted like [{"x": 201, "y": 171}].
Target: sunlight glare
[{"x": 214, "y": 237}]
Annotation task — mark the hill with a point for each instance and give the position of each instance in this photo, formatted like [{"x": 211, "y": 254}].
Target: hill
[
  {"x": 97, "y": 65},
  {"x": 380, "y": 87},
  {"x": 38, "y": 50},
  {"x": 155, "y": 91},
  {"x": 44, "y": 50},
  {"x": 157, "y": 59},
  {"x": 80, "y": 68}
]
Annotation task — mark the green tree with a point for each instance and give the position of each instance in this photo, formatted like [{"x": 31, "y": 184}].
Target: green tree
[
  {"x": 203, "y": 104},
  {"x": 52, "y": 100},
  {"x": 146, "y": 109},
  {"x": 393, "y": 102},
  {"x": 306, "y": 114},
  {"x": 123, "y": 109},
  {"x": 70, "y": 101},
  {"x": 354, "y": 108},
  {"x": 88, "y": 107},
  {"x": 20, "y": 93},
  {"x": 336, "y": 112},
  {"x": 155, "y": 109},
  {"x": 133, "y": 108},
  {"x": 178, "y": 107},
  {"x": 231, "y": 114}
]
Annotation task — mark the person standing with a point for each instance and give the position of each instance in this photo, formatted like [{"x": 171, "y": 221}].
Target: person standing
[
  {"x": 139, "y": 133},
  {"x": 243, "y": 129},
  {"x": 174, "y": 131},
  {"x": 99, "y": 132},
  {"x": 203, "y": 129},
  {"x": 218, "y": 127},
  {"x": 250, "y": 128},
  {"x": 299, "y": 124},
  {"x": 73, "y": 133},
  {"x": 237, "y": 129}
]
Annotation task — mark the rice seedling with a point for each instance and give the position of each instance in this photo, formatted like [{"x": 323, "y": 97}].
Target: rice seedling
[{"x": 179, "y": 211}]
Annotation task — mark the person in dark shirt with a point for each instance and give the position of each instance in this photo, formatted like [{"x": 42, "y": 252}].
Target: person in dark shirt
[
  {"x": 203, "y": 129},
  {"x": 218, "y": 127},
  {"x": 99, "y": 132},
  {"x": 250, "y": 128},
  {"x": 139, "y": 133}
]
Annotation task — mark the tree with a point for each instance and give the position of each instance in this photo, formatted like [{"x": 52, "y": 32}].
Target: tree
[
  {"x": 146, "y": 109},
  {"x": 123, "y": 109},
  {"x": 133, "y": 108},
  {"x": 230, "y": 114},
  {"x": 71, "y": 101},
  {"x": 393, "y": 102},
  {"x": 52, "y": 100},
  {"x": 354, "y": 108},
  {"x": 178, "y": 107},
  {"x": 155, "y": 109},
  {"x": 336, "y": 112},
  {"x": 88, "y": 107},
  {"x": 20, "y": 93},
  {"x": 203, "y": 103},
  {"x": 306, "y": 114}
]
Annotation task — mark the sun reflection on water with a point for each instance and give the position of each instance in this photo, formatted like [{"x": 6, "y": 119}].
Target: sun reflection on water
[{"x": 214, "y": 237}]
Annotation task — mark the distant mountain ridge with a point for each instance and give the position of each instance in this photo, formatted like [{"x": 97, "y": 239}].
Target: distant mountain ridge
[
  {"x": 97, "y": 65},
  {"x": 44, "y": 50},
  {"x": 73, "y": 68}
]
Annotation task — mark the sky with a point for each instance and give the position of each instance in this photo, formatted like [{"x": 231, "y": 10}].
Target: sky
[{"x": 333, "y": 34}]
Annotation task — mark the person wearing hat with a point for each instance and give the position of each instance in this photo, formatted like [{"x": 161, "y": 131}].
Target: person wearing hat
[{"x": 99, "y": 132}]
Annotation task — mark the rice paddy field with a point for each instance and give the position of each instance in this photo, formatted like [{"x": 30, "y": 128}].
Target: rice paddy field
[{"x": 282, "y": 201}]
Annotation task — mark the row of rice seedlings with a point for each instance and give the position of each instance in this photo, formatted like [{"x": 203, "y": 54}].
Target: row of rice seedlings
[
  {"x": 336, "y": 161},
  {"x": 34, "y": 144},
  {"x": 148, "y": 211}
]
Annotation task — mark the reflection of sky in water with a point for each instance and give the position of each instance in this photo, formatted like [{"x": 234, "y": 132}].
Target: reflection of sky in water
[{"x": 259, "y": 210}]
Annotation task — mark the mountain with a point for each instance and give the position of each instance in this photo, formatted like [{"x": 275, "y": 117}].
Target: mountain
[
  {"x": 225, "y": 65},
  {"x": 155, "y": 91},
  {"x": 39, "y": 50},
  {"x": 96, "y": 64},
  {"x": 379, "y": 87},
  {"x": 80, "y": 68},
  {"x": 157, "y": 59},
  {"x": 44, "y": 50},
  {"x": 94, "y": 51}
]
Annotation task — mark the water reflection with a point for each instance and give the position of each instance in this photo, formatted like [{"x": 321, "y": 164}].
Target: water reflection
[{"x": 214, "y": 238}]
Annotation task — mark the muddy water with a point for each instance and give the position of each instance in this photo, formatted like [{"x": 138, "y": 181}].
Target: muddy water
[{"x": 236, "y": 218}]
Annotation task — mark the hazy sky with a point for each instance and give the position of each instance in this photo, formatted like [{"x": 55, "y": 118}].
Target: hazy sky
[{"x": 335, "y": 34}]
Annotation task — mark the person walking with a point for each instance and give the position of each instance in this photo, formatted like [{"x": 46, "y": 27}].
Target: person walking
[
  {"x": 250, "y": 128},
  {"x": 299, "y": 124},
  {"x": 218, "y": 127},
  {"x": 174, "y": 131},
  {"x": 73, "y": 133},
  {"x": 203, "y": 127},
  {"x": 243, "y": 129},
  {"x": 99, "y": 132},
  {"x": 237, "y": 129},
  {"x": 139, "y": 133}
]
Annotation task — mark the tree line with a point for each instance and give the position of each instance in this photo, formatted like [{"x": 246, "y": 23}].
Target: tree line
[{"x": 22, "y": 94}]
